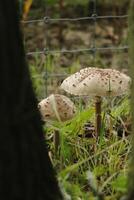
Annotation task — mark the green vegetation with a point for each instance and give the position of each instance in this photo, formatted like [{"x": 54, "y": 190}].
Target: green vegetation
[{"x": 86, "y": 168}]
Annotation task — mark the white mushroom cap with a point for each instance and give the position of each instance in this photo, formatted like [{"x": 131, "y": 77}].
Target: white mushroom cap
[
  {"x": 57, "y": 107},
  {"x": 97, "y": 82}
]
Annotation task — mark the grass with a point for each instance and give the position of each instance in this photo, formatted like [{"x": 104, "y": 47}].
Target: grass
[{"x": 87, "y": 168}]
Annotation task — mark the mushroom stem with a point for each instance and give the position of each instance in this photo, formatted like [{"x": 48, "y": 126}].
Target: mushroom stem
[
  {"x": 110, "y": 117},
  {"x": 98, "y": 115},
  {"x": 56, "y": 139}
]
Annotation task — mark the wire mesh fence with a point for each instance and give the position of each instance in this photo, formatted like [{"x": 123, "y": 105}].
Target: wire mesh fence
[{"x": 94, "y": 18}]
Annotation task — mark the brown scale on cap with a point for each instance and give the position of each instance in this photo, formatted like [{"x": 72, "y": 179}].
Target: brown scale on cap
[
  {"x": 57, "y": 107},
  {"x": 97, "y": 82}
]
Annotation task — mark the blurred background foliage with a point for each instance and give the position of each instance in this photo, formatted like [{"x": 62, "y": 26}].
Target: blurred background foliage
[{"x": 81, "y": 6}]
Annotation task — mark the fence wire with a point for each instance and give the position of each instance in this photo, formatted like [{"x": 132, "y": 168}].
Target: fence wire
[{"x": 47, "y": 20}]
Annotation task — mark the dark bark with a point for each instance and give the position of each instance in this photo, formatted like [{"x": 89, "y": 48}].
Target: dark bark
[{"x": 25, "y": 169}]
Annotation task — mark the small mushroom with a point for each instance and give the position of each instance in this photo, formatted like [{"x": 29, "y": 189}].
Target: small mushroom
[
  {"x": 56, "y": 108},
  {"x": 97, "y": 83}
]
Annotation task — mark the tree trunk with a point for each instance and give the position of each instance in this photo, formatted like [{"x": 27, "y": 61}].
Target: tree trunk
[
  {"x": 26, "y": 172},
  {"x": 131, "y": 55}
]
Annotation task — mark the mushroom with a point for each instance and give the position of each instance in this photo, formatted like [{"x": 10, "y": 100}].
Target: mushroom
[
  {"x": 57, "y": 108},
  {"x": 97, "y": 83}
]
